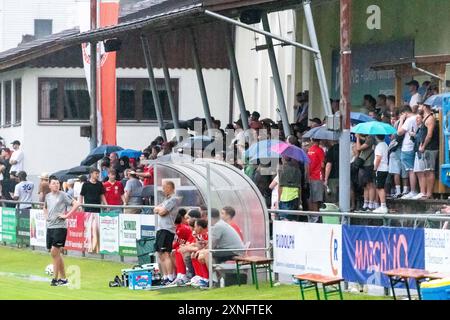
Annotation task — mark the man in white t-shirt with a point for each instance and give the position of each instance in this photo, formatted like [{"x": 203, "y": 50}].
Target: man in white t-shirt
[
  {"x": 23, "y": 191},
  {"x": 17, "y": 156},
  {"x": 381, "y": 167},
  {"x": 416, "y": 98},
  {"x": 406, "y": 126}
]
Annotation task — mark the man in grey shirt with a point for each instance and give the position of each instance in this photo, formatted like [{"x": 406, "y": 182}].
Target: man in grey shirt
[
  {"x": 55, "y": 208},
  {"x": 222, "y": 236},
  {"x": 133, "y": 193},
  {"x": 165, "y": 230}
]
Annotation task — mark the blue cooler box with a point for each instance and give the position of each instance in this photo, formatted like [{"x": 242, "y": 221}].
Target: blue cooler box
[
  {"x": 139, "y": 280},
  {"x": 436, "y": 289}
]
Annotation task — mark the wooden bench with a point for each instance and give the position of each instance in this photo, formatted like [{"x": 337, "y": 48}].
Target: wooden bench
[
  {"x": 403, "y": 275},
  {"x": 315, "y": 279},
  {"x": 255, "y": 264}
]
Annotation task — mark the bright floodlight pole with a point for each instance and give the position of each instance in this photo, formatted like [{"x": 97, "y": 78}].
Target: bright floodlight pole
[{"x": 345, "y": 107}]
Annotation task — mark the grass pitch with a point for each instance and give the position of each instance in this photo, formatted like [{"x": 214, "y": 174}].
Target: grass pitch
[{"x": 22, "y": 277}]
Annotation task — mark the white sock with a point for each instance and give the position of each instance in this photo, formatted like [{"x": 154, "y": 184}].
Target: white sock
[
  {"x": 366, "y": 204},
  {"x": 398, "y": 189},
  {"x": 170, "y": 277},
  {"x": 165, "y": 278},
  {"x": 405, "y": 190},
  {"x": 371, "y": 205},
  {"x": 383, "y": 205}
]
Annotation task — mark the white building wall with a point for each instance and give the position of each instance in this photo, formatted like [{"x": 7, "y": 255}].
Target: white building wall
[
  {"x": 256, "y": 73},
  {"x": 17, "y": 18},
  {"x": 53, "y": 147}
]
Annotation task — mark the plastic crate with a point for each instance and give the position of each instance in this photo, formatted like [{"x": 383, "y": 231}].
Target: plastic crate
[{"x": 139, "y": 280}]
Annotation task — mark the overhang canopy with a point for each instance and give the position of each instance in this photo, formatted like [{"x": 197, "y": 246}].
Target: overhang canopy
[{"x": 404, "y": 67}]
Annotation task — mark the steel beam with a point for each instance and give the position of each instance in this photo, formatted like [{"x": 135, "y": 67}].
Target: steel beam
[{"x": 152, "y": 80}]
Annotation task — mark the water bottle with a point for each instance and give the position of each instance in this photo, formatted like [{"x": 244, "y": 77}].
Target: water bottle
[{"x": 222, "y": 282}]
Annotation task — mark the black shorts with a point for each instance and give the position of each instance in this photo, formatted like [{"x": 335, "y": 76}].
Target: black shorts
[
  {"x": 56, "y": 238},
  {"x": 381, "y": 177},
  {"x": 164, "y": 240}
]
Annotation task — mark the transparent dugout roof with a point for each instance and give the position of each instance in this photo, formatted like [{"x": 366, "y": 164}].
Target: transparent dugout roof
[{"x": 229, "y": 187}]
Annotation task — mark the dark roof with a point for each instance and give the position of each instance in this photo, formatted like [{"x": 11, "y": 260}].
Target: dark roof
[
  {"x": 27, "y": 51},
  {"x": 149, "y": 16}
]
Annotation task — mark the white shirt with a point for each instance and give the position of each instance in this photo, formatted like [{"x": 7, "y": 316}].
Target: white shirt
[
  {"x": 415, "y": 100},
  {"x": 382, "y": 151},
  {"x": 24, "y": 190},
  {"x": 18, "y": 156},
  {"x": 409, "y": 125},
  {"x": 77, "y": 189}
]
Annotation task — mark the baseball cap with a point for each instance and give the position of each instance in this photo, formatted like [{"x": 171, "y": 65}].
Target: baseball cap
[
  {"x": 316, "y": 120},
  {"x": 15, "y": 142},
  {"x": 44, "y": 176},
  {"x": 413, "y": 83}
]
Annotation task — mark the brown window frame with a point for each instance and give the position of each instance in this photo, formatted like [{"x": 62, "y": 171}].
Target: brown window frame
[
  {"x": 8, "y": 103},
  {"x": 17, "y": 101},
  {"x": 140, "y": 84},
  {"x": 60, "y": 103}
]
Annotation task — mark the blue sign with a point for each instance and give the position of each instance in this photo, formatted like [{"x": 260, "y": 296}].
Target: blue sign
[
  {"x": 369, "y": 251},
  {"x": 365, "y": 80}
]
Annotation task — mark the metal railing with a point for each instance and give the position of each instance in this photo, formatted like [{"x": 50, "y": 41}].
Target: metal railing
[{"x": 84, "y": 205}]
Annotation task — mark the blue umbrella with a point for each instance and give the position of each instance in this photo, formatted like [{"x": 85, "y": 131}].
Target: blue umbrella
[
  {"x": 321, "y": 133},
  {"x": 98, "y": 153},
  {"x": 358, "y": 117},
  {"x": 437, "y": 100},
  {"x": 290, "y": 151},
  {"x": 261, "y": 150},
  {"x": 374, "y": 128},
  {"x": 130, "y": 153}
]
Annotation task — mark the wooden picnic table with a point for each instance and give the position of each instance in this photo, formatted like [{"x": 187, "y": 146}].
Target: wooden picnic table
[{"x": 403, "y": 275}]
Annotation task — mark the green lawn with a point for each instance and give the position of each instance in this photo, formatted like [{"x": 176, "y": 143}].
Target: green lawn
[{"x": 95, "y": 275}]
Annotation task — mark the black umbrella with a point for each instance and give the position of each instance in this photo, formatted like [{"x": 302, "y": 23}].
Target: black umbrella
[
  {"x": 79, "y": 170},
  {"x": 170, "y": 125},
  {"x": 98, "y": 154},
  {"x": 63, "y": 175}
]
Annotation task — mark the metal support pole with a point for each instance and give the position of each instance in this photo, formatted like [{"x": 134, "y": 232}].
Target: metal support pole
[
  {"x": 236, "y": 77},
  {"x": 345, "y": 107},
  {"x": 201, "y": 81},
  {"x": 93, "y": 80},
  {"x": 317, "y": 58},
  {"x": 151, "y": 77},
  {"x": 176, "y": 123},
  {"x": 276, "y": 78},
  {"x": 262, "y": 32},
  {"x": 208, "y": 190}
]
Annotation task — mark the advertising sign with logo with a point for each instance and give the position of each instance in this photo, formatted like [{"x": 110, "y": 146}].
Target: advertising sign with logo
[
  {"x": 91, "y": 232},
  {"x": 129, "y": 231},
  {"x": 302, "y": 247},
  {"x": 437, "y": 250},
  {"x": 147, "y": 226},
  {"x": 369, "y": 251},
  {"x": 109, "y": 232},
  {"x": 9, "y": 225},
  {"x": 38, "y": 228},
  {"x": 75, "y": 232},
  {"x": 23, "y": 227}
]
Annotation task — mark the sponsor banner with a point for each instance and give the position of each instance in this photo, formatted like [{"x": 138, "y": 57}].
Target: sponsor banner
[
  {"x": 1, "y": 237},
  {"x": 38, "y": 228},
  {"x": 147, "y": 226},
  {"x": 23, "y": 227},
  {"x": 91, "y": 232},
  {"x": 303, "y": 247},
  {"x": 75, "y": 232},
  {"x": 9, "y": 225},
  {"x": 129, "y": 231},
  {"x": 369, "y": 251},
  {"x": 109, "y": 232},
  {"x": 437, "y": 250}
]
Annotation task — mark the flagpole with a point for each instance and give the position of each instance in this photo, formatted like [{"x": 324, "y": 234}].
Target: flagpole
[{"x": 93, "y": 80}]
